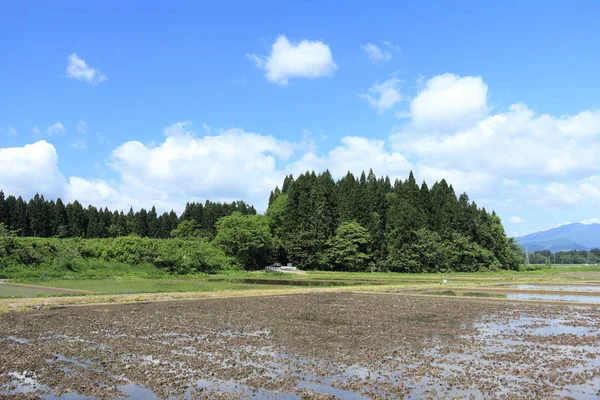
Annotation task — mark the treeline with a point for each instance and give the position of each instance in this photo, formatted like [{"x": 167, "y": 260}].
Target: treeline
[
  {"x": 565, "y": 257},
  {"x": 366, "y": 223},
  {"x": 43, "y": 218},
  {"x": 355, "y": 224}
]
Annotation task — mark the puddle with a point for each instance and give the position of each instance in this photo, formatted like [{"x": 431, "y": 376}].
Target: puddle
[
  {"x": 18, "y": 340},
  {"x": 584, "y": 298},
  {"x": 554, "y": 297},
  {"x": 552, "y": 288},
  {"x": 463, "y": 294},
  {"x": 503, "y": 352}
]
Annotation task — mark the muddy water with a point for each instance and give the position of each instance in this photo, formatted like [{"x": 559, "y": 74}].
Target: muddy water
[
  {"x": 505, "y": 349},
  {"x": 583, "y": 298},
  {"x": 552, "y": 288}
]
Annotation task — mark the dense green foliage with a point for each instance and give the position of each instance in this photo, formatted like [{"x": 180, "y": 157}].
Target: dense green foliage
[
  {"x": 42, "y": 218},
  {"x": 367, "y": 224},
  {"x": 59, "y": 257},
  {"x": 245, "y": 237},
  {"x": 565, "y": 257},
  {"x": 354, "y": 224}
]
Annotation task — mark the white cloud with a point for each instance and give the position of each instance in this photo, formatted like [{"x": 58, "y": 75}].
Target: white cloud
[
  {"x": 507, "y": 160},
  {"x": 96, "y": 192},
  {"x": 376, "y": 54},
  {"x": 589, "y": 221},
  {"x": 231, "y": 165},
  {"x": 31, "y": 169},
  {"x": 383, "y": 96},
  {"x": 515, "y": 220},
  {"x": 516, "y": 143},
  {"x": 78, "y": 69},
  {"x": 305, "y": 59},
  {"x": 355, "y": 154},
  {"x": 477, "y": 184},
  {"x": 448, "y": 101},
  {"x": 221, "y": 166},
  {"x": 55, "y": 129}
]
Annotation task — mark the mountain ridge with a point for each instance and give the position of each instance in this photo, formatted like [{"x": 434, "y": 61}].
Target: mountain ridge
[{"x": 575, "y": 236}]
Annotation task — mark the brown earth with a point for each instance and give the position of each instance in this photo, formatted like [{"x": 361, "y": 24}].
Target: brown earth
[{"x": 310, "y": 345}]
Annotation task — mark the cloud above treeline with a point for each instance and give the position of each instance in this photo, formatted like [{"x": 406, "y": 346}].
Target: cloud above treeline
[{"x": 504, "y": 159}]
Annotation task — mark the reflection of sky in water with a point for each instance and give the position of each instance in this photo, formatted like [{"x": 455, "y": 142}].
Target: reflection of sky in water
[
  {"x": 588, "y": 298},
  {"x": 439, "y": 363},
  {"x": 553, "y": 297},
  {"x": 570, "y": 288}
]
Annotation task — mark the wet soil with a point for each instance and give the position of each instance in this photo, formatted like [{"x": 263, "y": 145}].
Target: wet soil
[{"x": 304, "y": 346}]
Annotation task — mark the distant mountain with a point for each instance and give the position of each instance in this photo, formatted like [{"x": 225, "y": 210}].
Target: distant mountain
[{"x": 567, "y": 237}]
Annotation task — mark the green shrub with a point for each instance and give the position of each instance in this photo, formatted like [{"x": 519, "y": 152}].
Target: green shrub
[{"x": 36, "y": 257}]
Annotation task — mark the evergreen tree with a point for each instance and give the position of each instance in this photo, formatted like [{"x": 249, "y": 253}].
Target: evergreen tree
[
  {"x": 39, "y": 216},
  {"x": 20, "y": 218},
  {"x": 141, "y": 223},
  {"x": 93, "y": 227},
  {"x": 153, "y": 229},
  {"x": 287, "y": 182},
  {"x": 130, "y": 222},
  {"x": 9, "y": 210},
  {"x": 60, "y": 221},
  {"x": 4, "y": 218},
  {"x": 77, "y": 219}
]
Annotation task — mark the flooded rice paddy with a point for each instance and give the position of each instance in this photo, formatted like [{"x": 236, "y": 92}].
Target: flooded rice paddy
[
  {"x": 355, "y": 346},
  {"x": 567, "y": 288},
  {"x": 582, "y": 298}
]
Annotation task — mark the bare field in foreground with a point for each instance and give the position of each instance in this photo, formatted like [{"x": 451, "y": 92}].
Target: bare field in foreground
[{"x": 310, "y": 345}]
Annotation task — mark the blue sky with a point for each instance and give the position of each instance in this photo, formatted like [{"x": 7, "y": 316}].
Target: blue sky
[{"x": 120, "y": 105}]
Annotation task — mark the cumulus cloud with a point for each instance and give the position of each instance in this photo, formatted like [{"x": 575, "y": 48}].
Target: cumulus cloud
[
  {"x": 96, "y": 192},
  {"x": 448, "y": 101},
  {"x": 515, "y": 220},
  {"x": 383, "y": 96},
  {"x": 230, "y": 165},
  {"x": 375, "y": 53},
  {"x": 305, "y": 59},
  {"x": 31, "y": 169},
  {"x": 509, "y": 160},
  {"x": 515, "y": 143},
  {"x": 79, "y": 70},
  {"x": 477, "y": 184},
  {"x": 355, "y": 154}
]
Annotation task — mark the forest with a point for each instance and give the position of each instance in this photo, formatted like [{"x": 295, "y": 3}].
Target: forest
[
  {"x": 565, "y": 257},
  {"x": 360, "y": 223}
]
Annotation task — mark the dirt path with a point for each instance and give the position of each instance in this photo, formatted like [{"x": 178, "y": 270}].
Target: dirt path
[{"x": 20, "y": 304}]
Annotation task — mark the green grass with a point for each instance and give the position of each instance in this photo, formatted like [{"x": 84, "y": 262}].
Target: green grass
[
  {"x": 82, "y": 269},
  {"x": 7, "y": 291},
  {"x": 140, "y": 285},
  {"x": 145, "y": 280}
]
